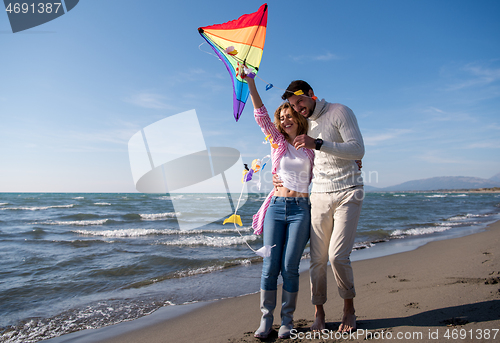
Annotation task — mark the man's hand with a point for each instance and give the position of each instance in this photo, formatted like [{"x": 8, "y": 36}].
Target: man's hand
[
  {"x": 360, "y": 165},
  {"x": 277, "y": 182},
  {"x": 304, "y": 141}
]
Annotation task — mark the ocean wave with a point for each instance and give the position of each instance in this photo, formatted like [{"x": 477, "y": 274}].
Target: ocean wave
[
  {"x": 78, "y": 198},
  {"x": 436, "y": 196},
  {"x": 3, "y": 203},
  {"x": 160, "y": 216},
  {"x": 196, "y": 271},
  {"x": 165, "y": 197},
  {"x": 419, "y": 231},
  {"x": 73, "y": 222},
  {"x": 102, "y": 203},
  {"x": 126, "y": 232},
  {"x": 228, "y": 230},
  {"x": 170, "y": 197},
  {"x": 79, "y": 216},
  {"x": 92, "y": 316},
  {"x": 362, "y": 245},
  {"x": 36, "y": 208},
  {"x": 211, "y": 241},
  {"x": 35, "y": 231},
  {"x": 449, "y": 224},
  {"x": 466, "y": 216},
  {"x": 149, "y": 232}
]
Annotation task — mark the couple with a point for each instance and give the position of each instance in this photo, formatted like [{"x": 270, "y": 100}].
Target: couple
[{"x": 288, "y": 218}]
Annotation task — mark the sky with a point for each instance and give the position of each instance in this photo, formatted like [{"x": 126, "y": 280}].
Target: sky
[{"x": 422, "y": 77}]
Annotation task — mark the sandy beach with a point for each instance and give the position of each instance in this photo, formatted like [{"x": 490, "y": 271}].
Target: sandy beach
[{"x": 444, "y": 291}]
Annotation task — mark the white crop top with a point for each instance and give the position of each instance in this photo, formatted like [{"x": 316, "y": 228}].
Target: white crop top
[{"x": 294, "y": 170}]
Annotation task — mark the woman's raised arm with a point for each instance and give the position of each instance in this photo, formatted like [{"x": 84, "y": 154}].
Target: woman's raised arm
[{"x": 254, "y": 94}]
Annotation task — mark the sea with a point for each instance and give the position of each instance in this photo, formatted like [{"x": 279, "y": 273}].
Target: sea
[{"x": 75, "y": 261}]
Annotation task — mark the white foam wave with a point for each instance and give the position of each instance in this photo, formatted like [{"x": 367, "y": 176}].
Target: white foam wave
[
  {"x": 37, "y": 208},
  {"x": 147, "y": 232},
  {"x": 209, "y": 269},
  {"x": 79, "y": 198},
  {"x": 459, "y": 195},
  {"x": 160, "y": 216},
  {"x": 465, "y": 216},
  {"x": 102, "y": 203},
  {"x": 211, "y": 241},
  {"x": 3, "y": 203},
  {"x": 170, "y": 197},
  {"x": 449, "y": 224},
  {"x": 228, "y": 230},
  {"x": 420, "y": 231},
  {"x": 74, "y": 222},
  {"x": 362, "y": 245},
  {"x": 165, "y": 197},
  {"x": 436, "y": 196},
  {"x": 204, "y": 270},
  {"x": 126, "y": 232}
]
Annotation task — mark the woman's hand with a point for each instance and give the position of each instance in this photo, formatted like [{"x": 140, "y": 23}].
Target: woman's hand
[{"x": 254, "y": 94}]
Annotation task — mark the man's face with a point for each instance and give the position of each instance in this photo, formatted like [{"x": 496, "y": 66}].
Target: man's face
[{"x": 303, "y": 105}]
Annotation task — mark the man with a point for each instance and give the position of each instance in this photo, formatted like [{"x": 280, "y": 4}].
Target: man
[{"x": 336, "y": 195}]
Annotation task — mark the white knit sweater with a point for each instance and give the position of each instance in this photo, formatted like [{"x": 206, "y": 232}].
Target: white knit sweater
[{"x": 334, "y": 164}]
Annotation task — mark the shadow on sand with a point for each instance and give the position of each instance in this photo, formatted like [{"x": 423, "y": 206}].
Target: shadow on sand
[{"x": 455, "y": 315}]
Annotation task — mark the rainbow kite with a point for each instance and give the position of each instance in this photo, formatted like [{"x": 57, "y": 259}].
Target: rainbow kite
[{"x": 239, "y": 43}]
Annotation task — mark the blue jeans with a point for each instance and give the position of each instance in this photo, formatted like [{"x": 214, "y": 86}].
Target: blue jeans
[{"x": 287, "y": 224}]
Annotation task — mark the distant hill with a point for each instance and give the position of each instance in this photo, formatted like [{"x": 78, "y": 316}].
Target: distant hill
[
  {"x": 371, "y": 188},
  {"x": 495, "y": 178},
  {"x": 443, "y": 182}
]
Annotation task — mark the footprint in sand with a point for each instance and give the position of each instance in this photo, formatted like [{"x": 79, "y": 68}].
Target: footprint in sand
[{"x": 412, "y": 305}]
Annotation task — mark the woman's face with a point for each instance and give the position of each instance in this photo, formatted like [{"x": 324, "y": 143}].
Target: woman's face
[{"x": 288, "y": 123}]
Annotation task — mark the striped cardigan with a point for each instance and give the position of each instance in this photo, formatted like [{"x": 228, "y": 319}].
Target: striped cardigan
[{"x": 267, "y": 126}]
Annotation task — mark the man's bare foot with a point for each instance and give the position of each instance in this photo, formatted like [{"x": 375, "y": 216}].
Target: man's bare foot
[
  {"x": 349, "y": 318},
  {"x": 319, "y": 322},
  {"x": 348, "y": 323}
]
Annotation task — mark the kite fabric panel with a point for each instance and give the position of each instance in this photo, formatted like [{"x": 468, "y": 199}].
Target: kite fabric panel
[{"x": 239, "y": 43}]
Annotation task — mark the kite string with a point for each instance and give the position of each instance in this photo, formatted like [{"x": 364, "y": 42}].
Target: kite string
[
  {"x": 272, "y": 86},
  {"x": 206, "y": 52},
  {"x": 234, "y": 222},
  {"x": 267, "y": 83}
]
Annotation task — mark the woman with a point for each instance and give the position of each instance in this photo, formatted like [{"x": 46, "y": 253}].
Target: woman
[{"x": 285, "y": 214}]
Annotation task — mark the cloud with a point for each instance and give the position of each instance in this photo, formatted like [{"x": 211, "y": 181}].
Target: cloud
[
  {"x": 441, "y": 115},
  {"x": 326, "y": 57},
  {"x": 472, "y": 75},
  {"x": 438, "y": 157},
  {"x": 382, "y": 137},
  {"x": 150, "y": 100},
  {"x": 492, "y": 144},
  {"x": 323, "y": 58}
]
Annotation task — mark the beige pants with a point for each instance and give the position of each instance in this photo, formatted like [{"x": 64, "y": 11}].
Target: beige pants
[{"x": 334, "y": 219}]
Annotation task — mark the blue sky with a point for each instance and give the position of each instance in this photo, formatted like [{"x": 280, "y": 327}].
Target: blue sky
[{"x": 422, "y": 77}]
